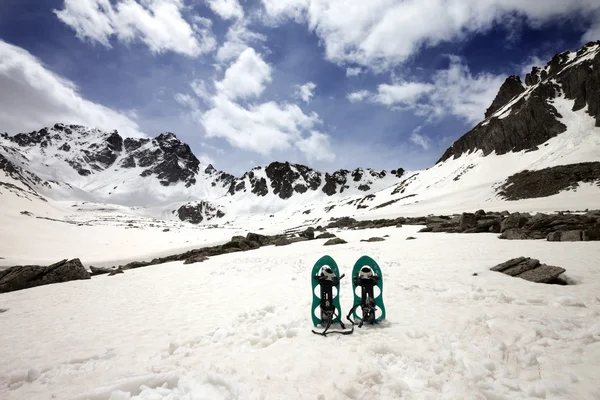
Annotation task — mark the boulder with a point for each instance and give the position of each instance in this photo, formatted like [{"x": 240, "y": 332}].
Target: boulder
[
  {"x": 99, "y": 271},
  {"x": 529, "y": 269},
  {"x": 282, "y": 242},
  {"x": 411, "y": 238},
  {"x": 513, "y": 221},
  {"x": 308, "y": 233},
  {"x": 467, "y": 220},
  {"x": 255, "y": 237},
  {"x": 566, "y": 236},
  {"x": 116, "y": 271},
  {"x": 373, "y": 239},
  {"x": 28, "y": 276},
  {"x": 334, "y": 241},
  {"x": 325, "y": 235},
  {"x": 195, "y": 259},
  {"x": 514, "y": 234}
]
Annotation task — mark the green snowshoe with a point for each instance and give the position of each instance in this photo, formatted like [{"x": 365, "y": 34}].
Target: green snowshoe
[
  {"x": 326, "y": 309},
  {"x": 367, "y": 276}
]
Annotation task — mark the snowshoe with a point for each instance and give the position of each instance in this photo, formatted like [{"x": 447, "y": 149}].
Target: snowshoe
[
  {"x": 367, "y": 276},
  {"x": 326, "y": 309}
]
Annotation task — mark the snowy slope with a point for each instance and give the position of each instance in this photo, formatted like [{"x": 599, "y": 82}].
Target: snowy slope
[{"x": 200, "y": 331}]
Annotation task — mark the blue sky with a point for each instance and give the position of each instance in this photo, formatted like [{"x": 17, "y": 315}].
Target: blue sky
[{"x": 332, "y": 84}]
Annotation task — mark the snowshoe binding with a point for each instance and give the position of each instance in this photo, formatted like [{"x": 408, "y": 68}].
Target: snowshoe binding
[
  {"x": 367, "y": 276},
  {"x": 326, "y": 309}
]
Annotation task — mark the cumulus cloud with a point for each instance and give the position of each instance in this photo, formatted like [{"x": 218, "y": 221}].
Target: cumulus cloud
[
  {"x": 237, "y": 39},
  {"x": 305, "y": 92},
  {"x": 403, "y": 93},
  {"x": 388, "y": 32},
  {"x": 246, "y": 77},
  {"x": 157, "y": 23},
  {"x": 316, "y": 147},
  {"x": 226, "y": 9},
  {"x": 261, "y": 127},
  {"x": 453, "y": 91},
  {"x": 353, "y": 71},
  {"x": 355, "y": 97},
  {"x": 34, "y": 97},
  {"x": 420, "y": 140}
]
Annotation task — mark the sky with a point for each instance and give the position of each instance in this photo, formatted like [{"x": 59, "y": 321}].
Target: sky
[{"x": 327, "y": 83}]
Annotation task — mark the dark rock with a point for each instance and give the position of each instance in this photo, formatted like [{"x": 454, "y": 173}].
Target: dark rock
[
  {"x": 474, "y": 273},
  {"x": 195, "y": 259},
  {"x": 513, "y": 221},
  {"x": 198, "y": 212},
  {"x": 510, "y": 88},
  {"x": 549, "y": 181},
  {"x": 467, "y": 220},
  {"x": 28, "y": 276},
  {"x": 334, "y": 241},
  {"x": 134, "y": 265},
  {"x": 373, "y": 239},
  {"x": 308, "y": 233},
  {"x": 533, "y": 119},
  {"x": 480, "y": 213},
  {"x": 282, "y": 242},
  {"x": 166, "y": 230},
  {"x": 99, "y": 271},
  {"x": 115, "y": 272},
  {"x": 529, "y": 269},
  {"x": 411, "y": 238},
  {"x": 343, "y": 222},
  {"x": 567, "y": 236},
  {"x": 255, "y": 237},
  {"x": 514, "y": 234},
  {"x": 238, "y": 238},
  {"x": 325, "y": 235}
]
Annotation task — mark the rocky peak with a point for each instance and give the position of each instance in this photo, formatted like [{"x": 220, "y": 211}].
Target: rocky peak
[
  {"x": 531, "y": 118},
  {"x": 511, "y": 87}
]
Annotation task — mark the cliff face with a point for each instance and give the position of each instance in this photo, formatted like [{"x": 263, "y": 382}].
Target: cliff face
[{"x": 521, "y": 117}]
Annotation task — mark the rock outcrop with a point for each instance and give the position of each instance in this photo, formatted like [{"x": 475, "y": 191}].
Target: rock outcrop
[
  {"x": 522, "y": 118},
  {"x": 529, "y": 269},
  {"x": 549, "y": 181},
  {"x": 28, "y": 276}
]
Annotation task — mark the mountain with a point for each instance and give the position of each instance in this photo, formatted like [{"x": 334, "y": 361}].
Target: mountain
[
  {"x": 538, "y": 147},
  {"x": 71, "y": 162}
]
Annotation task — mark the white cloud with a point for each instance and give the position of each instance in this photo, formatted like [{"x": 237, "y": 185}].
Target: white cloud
[
  {"x": 420, "y": 140},
  {"x": 157, "y": 23},
  {"x": 358, "y": 96},
  {"x": 316, "y": 147},
  {"x": 305, "y": 92},
  {"x": 453, "y": 91},
  {"x": 237, "y": 40},
  {"x": 200, "y": 89},
  {"x": 226, "y": 9},
  {"x": 388, "y": 32},
  {"x": 261, "y": 128},
  {"x": 246, "y": 77},
  {"x": 186, "y": 100},
  {"x": 353, "y": 71},
  {"x": 34, "y": 97},
  {"x": 460, "y": 93},
  {"x": 404, "y": 93}
]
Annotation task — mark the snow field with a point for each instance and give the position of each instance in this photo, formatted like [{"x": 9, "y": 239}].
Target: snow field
[{"x": 238, "y": 327}]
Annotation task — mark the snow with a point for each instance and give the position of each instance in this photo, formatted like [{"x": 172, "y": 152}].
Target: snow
[{"x": 200, "y": 331}]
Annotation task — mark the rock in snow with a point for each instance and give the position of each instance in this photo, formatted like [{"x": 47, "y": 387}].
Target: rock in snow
[
  {"x": 529, "y": 269},
  {"x": 27, "y": 276},
  {"x": 333, "y": 241}
]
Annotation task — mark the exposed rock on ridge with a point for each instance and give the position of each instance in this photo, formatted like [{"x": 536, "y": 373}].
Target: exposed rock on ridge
[{"x": 530, "y": 119}]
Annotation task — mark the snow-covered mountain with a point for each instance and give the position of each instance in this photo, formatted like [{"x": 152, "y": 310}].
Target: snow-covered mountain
[
  {"x": 71, "y": 162},
  {"x": 553, "y": 119}
]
